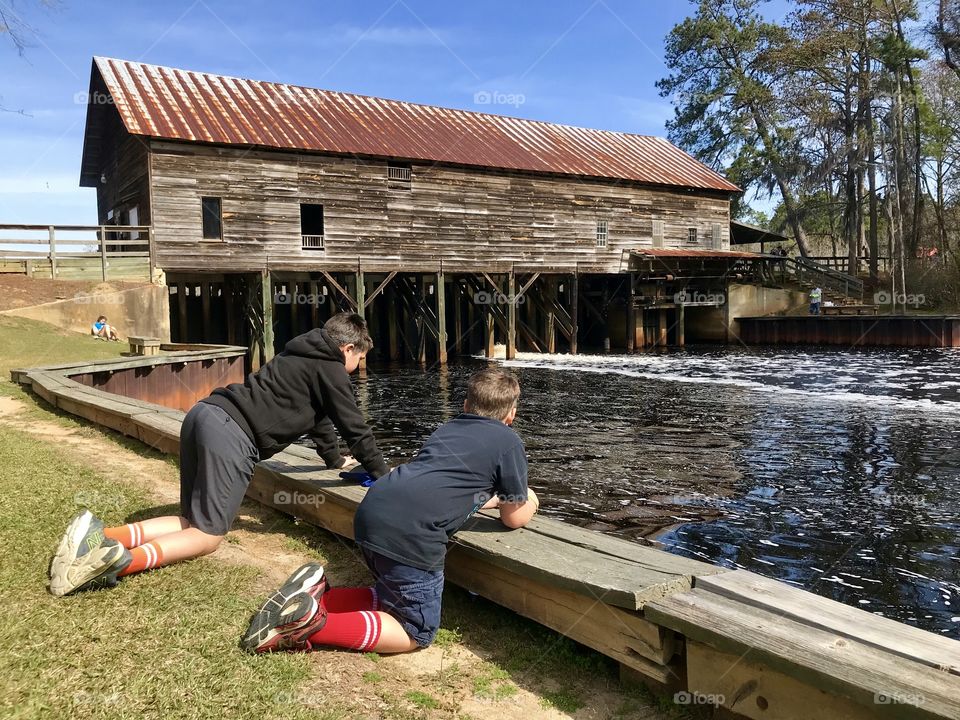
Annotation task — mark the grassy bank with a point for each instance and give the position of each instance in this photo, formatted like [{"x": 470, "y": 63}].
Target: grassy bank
[{"x": 164, "y": 643}]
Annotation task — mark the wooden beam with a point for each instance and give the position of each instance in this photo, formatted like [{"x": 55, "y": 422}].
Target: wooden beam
[
  {"x": 441, "y": 318},
  {"x": 182, "y": 312},
  {"x": 266, "y": 295},
  {"x": 339, "y": 288},
  {"x": 314, "y": 304},
  {"x": 631, "y": 316},
  {"x": 457, "y": 316},
  {"x": 103, "y": 252},
  {"x": 550, "y": 316},
  {"x": 574, "y": 312},
  {"x": 392, "y": 346},
  {"x": 511, "y": 316},
  {"x": 379, "y": 289},
  {"x": 228, "y": 294},
  {"x": 662, "y": 327},
  {"x": 205, "y": 304},
  {"x": 681, "y": 333},
  {"x": 52, "y": 239},
  {"x": 640, "y": 342}
]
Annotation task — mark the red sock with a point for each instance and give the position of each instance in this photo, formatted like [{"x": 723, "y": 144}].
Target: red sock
[
  {"x": 130, "y": 536},
  {"x": 359, "y": 630},
  {"x": 341, "y": 599},
  {"x": 144, "y": 557}
]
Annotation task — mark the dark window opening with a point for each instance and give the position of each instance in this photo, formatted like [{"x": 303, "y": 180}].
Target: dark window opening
[
  {"x": 311, "y": 226},
  {"x": 212, "y": 219},
  {"x": 398, "y": 174}
]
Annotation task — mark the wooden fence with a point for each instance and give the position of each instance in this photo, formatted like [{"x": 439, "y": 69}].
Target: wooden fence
[{"x": 77, "y": 252}]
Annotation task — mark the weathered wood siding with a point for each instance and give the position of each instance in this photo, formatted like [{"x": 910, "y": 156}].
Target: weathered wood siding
[
  {"x": 125, "y": 166},
  {"x": 471, "y": 219}
]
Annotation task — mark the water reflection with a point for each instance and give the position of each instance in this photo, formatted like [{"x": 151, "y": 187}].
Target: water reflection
[{"x": 835, "y": 471}]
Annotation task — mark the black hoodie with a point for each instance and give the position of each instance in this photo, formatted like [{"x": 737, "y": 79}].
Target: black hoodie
[{"x": 300, "y": 392}]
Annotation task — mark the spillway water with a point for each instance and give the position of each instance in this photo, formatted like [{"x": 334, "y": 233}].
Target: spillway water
[{"x": 837, "y": 471}]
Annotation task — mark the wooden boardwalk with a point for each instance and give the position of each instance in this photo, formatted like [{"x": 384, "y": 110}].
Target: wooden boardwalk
[{"x": 758, "y": 647}]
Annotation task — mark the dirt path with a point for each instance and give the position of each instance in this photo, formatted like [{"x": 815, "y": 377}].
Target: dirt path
[{"x": 370, "y": 685}]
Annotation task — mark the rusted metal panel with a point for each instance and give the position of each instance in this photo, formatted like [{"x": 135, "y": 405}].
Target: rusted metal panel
[
  {"x": 176, "y": 385},
  {"x": 881, "y": 331},
  {"x": 174, "y": 104}
]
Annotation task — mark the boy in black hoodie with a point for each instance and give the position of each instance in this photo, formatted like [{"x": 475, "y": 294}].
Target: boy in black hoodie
[{"x": 304, "y": 390}]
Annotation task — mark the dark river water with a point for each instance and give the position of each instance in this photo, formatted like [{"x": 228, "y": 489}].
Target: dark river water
[{"x": 837, "y": 471}]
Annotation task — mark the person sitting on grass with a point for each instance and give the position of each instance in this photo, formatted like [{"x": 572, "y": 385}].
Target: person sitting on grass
[
  {"x": 402, "y": 526},
  {"x": 305, "y": 389},
  {"x": 100, "y": 329}
]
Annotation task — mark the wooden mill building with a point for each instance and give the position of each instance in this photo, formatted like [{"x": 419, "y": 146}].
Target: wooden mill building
[{"x": 272, "y": 206}]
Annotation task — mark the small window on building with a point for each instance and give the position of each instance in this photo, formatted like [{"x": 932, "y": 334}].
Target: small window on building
[
  {"x": 398, "y": 175},
  {"x": 601, "y": 233},
  {"x": 658, "y": 233},
  {"x": 691, "y": 236},
  {"x": 717, "y": 238},
  {"x": 212, "y": 219},
  {"x": 311, "y": 226}
]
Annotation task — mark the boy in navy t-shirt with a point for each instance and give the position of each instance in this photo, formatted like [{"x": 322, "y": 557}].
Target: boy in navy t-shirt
[{"x": 475, "y": 461}]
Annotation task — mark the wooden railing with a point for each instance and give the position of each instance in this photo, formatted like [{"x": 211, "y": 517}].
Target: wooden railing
[
  {"x": 840, "y": 262},
  {"x": 77, "y": 251}
]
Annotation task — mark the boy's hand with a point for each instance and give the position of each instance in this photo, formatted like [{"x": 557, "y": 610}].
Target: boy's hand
[
  {"x": 348, "y": 461},
  {"x": 493, "y": 502}
]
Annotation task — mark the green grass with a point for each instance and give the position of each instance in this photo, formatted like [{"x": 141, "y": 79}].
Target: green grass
[
  {"x": 162, "y": 644},
  {"x": 422, "y": 699},
  {"x": 29, "y": 343},
  {"x": 563, "y": 700}
]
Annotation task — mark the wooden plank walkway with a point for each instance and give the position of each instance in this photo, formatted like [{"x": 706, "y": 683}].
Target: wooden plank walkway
[{"x": 757, "y": 647}]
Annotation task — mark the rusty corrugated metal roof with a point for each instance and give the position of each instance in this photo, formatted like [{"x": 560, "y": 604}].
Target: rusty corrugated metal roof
[
  {"x": 174, "y": 104},
  {"x": 683, "y": 253}
]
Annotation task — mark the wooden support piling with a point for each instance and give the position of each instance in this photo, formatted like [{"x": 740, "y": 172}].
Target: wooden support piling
[
  {"x": 266, "y": 295},
  {"x": 182, "y": 312},
  {"x": 441, "y": 318},
  {"x": 631, "y": 316},
  {"x": 393, "y": 348},
  {"x": 574, "y": 312},
  {"x": 511, "y": 316},
  {"x": 205, "y": 305},
  {"x": 662, "y": 328},
  {"x": 457, "y": 317},
  {"x": 680, "y": 329},
  {"x": 550, "y": 316}
]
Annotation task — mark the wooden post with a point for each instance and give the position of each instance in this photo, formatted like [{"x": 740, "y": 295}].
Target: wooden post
[
  {"x": 420, "y": 288},
  {"x": 662, "y": 335},
  {"x": 574, "y": 312},
  {"x": 103, "y": 252},
  {"x": 550, "y": 318},
  {"x": 605, "y": 309},
  {"x": 266, "y": 294},
  {"x": 314, "y": 304},
  {"x": 511, "y": 316},
  {"x": 441, "y": 319},
  {"x": 457, "y": 316},
  {"x": 631, "y": 317},
  {"x": 680, "y": 329},
  {"x": 228, "y": 295},
  {"x": 361, "y": 297},
  {"x": 489, "y": 333},
  {"x": 182, "y": 312},
  {"x": 53, "y": 253},
  {"x": 640, "y": 341},
  {"x": 294, "y": 309},
  {"x": 205, "y": 300},
  {"x": 391, "y": 299}
]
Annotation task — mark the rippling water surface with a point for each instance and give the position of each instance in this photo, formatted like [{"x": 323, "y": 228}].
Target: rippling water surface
[{"x": 838, "y": 471}]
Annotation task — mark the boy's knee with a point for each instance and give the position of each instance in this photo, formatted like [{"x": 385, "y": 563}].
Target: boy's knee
[{"x": 209, "y": 543}]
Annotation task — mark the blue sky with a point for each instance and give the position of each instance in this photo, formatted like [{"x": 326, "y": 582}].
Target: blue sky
[{"x": 591, "y": 63}]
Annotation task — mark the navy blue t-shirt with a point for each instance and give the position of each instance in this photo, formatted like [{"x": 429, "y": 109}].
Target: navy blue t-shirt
[{"x": 410, "y": 514}]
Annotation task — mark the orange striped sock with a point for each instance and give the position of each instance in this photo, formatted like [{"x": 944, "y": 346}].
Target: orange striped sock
[
  {"x": 144, "y": 557},
  {"x": 130, "y": 536}
]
